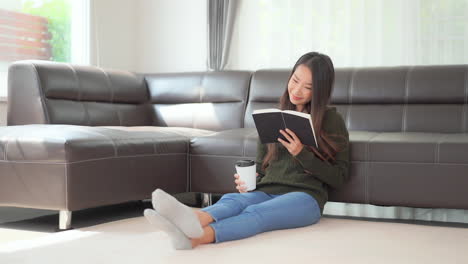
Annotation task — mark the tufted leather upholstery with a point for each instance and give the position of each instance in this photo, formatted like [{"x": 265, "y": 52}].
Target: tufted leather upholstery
[
  {"x": 76, "y": 167},
  {"x": 58, "y": 93},
  {"x": 213, "y": 100},
  {"x": 407, "y": 125}
]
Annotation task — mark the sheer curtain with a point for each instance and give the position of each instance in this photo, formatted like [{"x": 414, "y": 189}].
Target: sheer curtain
[
  {"x": 354, "y": 33},
  {"x": 221, "y": 15},
  {"x": 273, "y": 34}
]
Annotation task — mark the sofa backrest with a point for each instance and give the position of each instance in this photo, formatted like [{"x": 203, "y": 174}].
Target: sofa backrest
[
  {"x": 42, "y": 92},
  {"x": 391, "y": 99},
  {"x": 205, "y": 100}
]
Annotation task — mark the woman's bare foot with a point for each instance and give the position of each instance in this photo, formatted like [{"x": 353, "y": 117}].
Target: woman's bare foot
[
  {"x": 207, "y": 238},
  {"x": 204, "y": 217}
]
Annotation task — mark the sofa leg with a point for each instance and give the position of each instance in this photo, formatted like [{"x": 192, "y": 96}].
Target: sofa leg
[
  {"x": 206, "y": 199},
  {"x": 65, "y": 220}
]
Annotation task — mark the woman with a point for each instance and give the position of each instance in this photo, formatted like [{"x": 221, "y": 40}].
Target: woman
[{"x": 294, "y": 179}]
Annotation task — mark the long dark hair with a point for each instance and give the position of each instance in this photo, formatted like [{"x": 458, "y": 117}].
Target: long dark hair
[{"x": 323, "y": 77}]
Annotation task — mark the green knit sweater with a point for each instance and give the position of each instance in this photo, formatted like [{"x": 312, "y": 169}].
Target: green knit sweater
[{"x": 306, "y": 172}]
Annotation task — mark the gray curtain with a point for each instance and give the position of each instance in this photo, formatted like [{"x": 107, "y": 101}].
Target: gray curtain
[{"x": 221, "y": 16}]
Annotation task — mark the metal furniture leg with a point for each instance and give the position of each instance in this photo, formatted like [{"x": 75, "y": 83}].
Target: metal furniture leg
[{"x": 206, "y": 199}]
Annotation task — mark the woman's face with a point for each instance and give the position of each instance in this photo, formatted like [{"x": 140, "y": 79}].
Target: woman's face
[{"x": 300, "y": 87}]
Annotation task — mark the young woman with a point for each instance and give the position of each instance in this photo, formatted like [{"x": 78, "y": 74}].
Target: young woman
[{"x": 293, "y": 181}]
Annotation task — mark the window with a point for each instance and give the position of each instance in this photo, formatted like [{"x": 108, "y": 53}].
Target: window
[
  {"x": 56, "y": 30},
  {"x": 357, "y": 33}
]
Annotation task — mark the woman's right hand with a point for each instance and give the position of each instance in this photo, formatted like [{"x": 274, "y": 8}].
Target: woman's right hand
[{"x": 240, "y": 184}]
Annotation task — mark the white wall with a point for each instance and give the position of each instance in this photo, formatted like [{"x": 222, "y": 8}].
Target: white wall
[
  {"x": 113, "y": 33},
  {"x": 143, "y": 36},
  {"x": 14, "y": 5},
  {"x": 171, "y": 35},
  {"x": 149, "y": 35}
]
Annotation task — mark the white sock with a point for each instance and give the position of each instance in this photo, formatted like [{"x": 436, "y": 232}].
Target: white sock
[
  {"x": 178, "y": 239},
  {"x": 178, "y": 213}
]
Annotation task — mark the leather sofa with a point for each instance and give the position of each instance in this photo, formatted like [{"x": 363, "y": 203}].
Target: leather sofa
[{"x": 81, "y": 136}]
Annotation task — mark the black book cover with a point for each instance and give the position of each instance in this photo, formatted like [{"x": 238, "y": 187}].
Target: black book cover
[{"x": 269, "y": 121}]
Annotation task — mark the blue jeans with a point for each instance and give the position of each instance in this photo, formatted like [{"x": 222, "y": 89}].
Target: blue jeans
[{"x": 241, "y": 215}]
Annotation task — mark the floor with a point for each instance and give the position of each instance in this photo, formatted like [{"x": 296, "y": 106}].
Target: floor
[
  {"x": 26, "y": 223},
  {"x": 119, "y": 234}
]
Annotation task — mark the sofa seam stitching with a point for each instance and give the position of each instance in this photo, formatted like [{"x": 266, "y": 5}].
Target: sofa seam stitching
[
  {"x": 350, "y": 100},
  {"x": 352, "y": 161},
  {"x": 5, "y": 149},
  {"x": 109, "y": 84},
  {"x": 78, "y": 85},
  {"x": 405, "y": 107},
  {"x": 194, "y": 117},
  {"x": 41, "y": 92},
  {"x": 219, "y": 156},
  {"x": 89, "y": 160},
  {"x": 245, "y": 142},
  {"x": 155, "y": 151},
  {"x": 464, "y": 123},
  {"x": 438, "y": 147},
  {"x": 76, "y": 79},
  {"x": 368, "y": 163},
  {"x": 351, "y": 86},
  {"x": 366, "y": 173},
  {"x": 247, "y": 99},
  {"x": 189, "y": 170}
]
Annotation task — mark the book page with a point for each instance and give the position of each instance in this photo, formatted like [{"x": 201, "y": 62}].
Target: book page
[
  {"x": 292, "y": 112},
  {"x": 268, "y": 110},
  {"x": 301, "y": 125}
]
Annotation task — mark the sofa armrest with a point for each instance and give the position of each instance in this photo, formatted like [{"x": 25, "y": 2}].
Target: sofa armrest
[
  {"x": 25, "y": 99},
  {"x": 44, "y": 92}
]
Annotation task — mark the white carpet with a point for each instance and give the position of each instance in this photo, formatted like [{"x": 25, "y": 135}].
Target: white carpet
[{"x": 329, "y": 241}]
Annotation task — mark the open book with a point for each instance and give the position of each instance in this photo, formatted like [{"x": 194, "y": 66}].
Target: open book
[{"x": 270, "y": 121}]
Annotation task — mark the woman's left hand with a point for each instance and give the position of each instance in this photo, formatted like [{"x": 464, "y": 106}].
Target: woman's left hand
[{"x": 294, "y": 146}]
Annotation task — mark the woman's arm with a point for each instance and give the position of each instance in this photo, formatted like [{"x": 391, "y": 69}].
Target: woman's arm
[
  {"x": 261, "y": 152},
  {"x": 333, "y": 174}
]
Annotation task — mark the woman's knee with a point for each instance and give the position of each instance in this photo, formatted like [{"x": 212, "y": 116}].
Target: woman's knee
[
  {"x": 246, "y": 198},
  {"x": 307, "y": 200},
  {"x": 233, "y": 199},
  {"x": 293, "y": 209},
  {"x": 300, "y": 196},
  {"x": 231, "y": 196},
  {"x": 253, "y": 208}
]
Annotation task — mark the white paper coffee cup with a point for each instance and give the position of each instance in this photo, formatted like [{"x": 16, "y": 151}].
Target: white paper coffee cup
[{"x": 247, "y": 173}]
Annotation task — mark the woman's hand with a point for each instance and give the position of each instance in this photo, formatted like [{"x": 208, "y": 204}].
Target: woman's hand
[
  {"x": 294, "y": 146},
  {"x": 240, "y": 184}
]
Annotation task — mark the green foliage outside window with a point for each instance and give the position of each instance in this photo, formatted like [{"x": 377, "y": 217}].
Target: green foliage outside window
[{"x": 58, "y": 13}]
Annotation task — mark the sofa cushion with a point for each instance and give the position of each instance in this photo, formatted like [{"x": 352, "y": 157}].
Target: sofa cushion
[
  {"x": 205, "y": 100},
  {"x": 235, "y": 142},
  {"x": 429, "y": 99},
  {"x": 65, "y": 143},
  {"x": 59, "y": 93},
  {"x": 185, "y": 132},
  {"x": 418, "y": 147},
  {"x": 420, "y": 167},
  {"x": 212, "y": 158},
  {"x": 63, "y": 167}
]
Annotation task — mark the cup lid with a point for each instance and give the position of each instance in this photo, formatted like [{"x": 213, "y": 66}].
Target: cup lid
[{"x": 245, "y": 163}]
